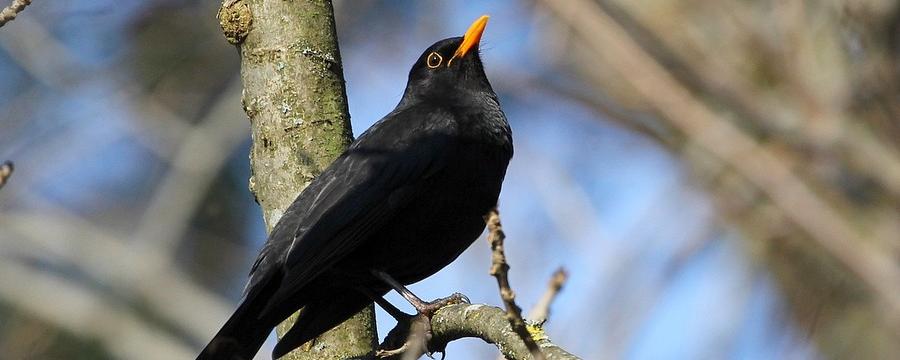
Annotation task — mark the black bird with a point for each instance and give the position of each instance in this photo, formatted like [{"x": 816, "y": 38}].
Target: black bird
[{"x": 400, "y": 204}]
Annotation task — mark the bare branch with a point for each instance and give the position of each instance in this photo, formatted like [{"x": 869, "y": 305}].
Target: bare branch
[
  {"x": 490, "y": 324},
  {"x": 457, "y": 321},
  {"x": 500, "y": 270},
  {"x": 541, "y": 310},
  {"x": 9, "y": 13}
]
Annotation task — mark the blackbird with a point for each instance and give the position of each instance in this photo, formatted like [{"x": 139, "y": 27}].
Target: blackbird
[{"x": 405, "y": 199}]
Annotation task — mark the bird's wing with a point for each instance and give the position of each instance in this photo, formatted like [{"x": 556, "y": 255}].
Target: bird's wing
[{"x": 379, "y": 174}]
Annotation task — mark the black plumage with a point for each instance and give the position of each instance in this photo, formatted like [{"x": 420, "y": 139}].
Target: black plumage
[{"x": 405, "y": 199}]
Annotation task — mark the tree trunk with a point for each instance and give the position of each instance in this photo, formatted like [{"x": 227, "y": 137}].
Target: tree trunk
[{"x": 295, "y": 98}]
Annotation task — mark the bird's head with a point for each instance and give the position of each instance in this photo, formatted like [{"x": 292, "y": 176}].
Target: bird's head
[{"x": 451, "y": 68}]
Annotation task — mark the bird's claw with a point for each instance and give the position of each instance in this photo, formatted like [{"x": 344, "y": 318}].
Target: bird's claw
[
  {"x": 415, "y": 330},
  {"x": 458, "y": 298},
  {"x": 428, "y": 309}
]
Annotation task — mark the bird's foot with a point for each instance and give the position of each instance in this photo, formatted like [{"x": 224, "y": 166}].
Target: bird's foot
[
  {"x": 429, "y": 308},
  {"x": 413, "y": 332},
  {"x": 410, "y": 337}
]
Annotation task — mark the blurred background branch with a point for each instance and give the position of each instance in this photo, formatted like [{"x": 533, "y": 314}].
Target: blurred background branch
[
  {"x": 785, "y": 155},
  {"x": 122, "y": 333}
]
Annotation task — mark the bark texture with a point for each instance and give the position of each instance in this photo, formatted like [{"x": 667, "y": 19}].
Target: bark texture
[
  {"x": 490, "y": 324},
  {"x": 295, "y": 98}
]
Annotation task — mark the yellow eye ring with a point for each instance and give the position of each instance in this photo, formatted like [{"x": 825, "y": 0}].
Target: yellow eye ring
[{"x": 434, "y": 60}]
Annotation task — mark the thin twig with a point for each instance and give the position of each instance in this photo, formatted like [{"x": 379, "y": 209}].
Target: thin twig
[
  {"x": 500, "y": 270},
  {"x": 9, "y": 13},
  {"x": 6, "y": 171},
  {"x": 541, "y": 311}
]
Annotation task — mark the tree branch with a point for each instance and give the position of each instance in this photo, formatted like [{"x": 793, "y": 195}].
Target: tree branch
[
  {"x": 9, "y": 13},
  {"x": 490, "y": 324},
  {"x": 500, "y": 270},
  {"x": 541, "y": 310},
  {"x": 457, "y": 321}
]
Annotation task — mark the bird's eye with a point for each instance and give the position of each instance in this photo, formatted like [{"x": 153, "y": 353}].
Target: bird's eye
[{"x": 434, "y": 60}]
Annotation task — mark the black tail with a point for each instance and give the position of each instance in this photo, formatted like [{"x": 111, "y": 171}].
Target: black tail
[{"x": 241, "y": 336}]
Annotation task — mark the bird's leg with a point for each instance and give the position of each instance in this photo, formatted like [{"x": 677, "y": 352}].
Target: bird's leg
[
  {"x": 392, "y": 310},
  {"x": 413, "y": 331},
  {"x": 422, "y": 307},
  {"x": 407, "y": 335}
]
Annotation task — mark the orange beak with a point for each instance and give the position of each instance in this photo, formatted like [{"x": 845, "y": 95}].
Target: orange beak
[{"x": 471, "y": 38}]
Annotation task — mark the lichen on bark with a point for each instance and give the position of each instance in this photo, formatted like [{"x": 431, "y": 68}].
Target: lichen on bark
[{"x": 295, "y": 99}]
